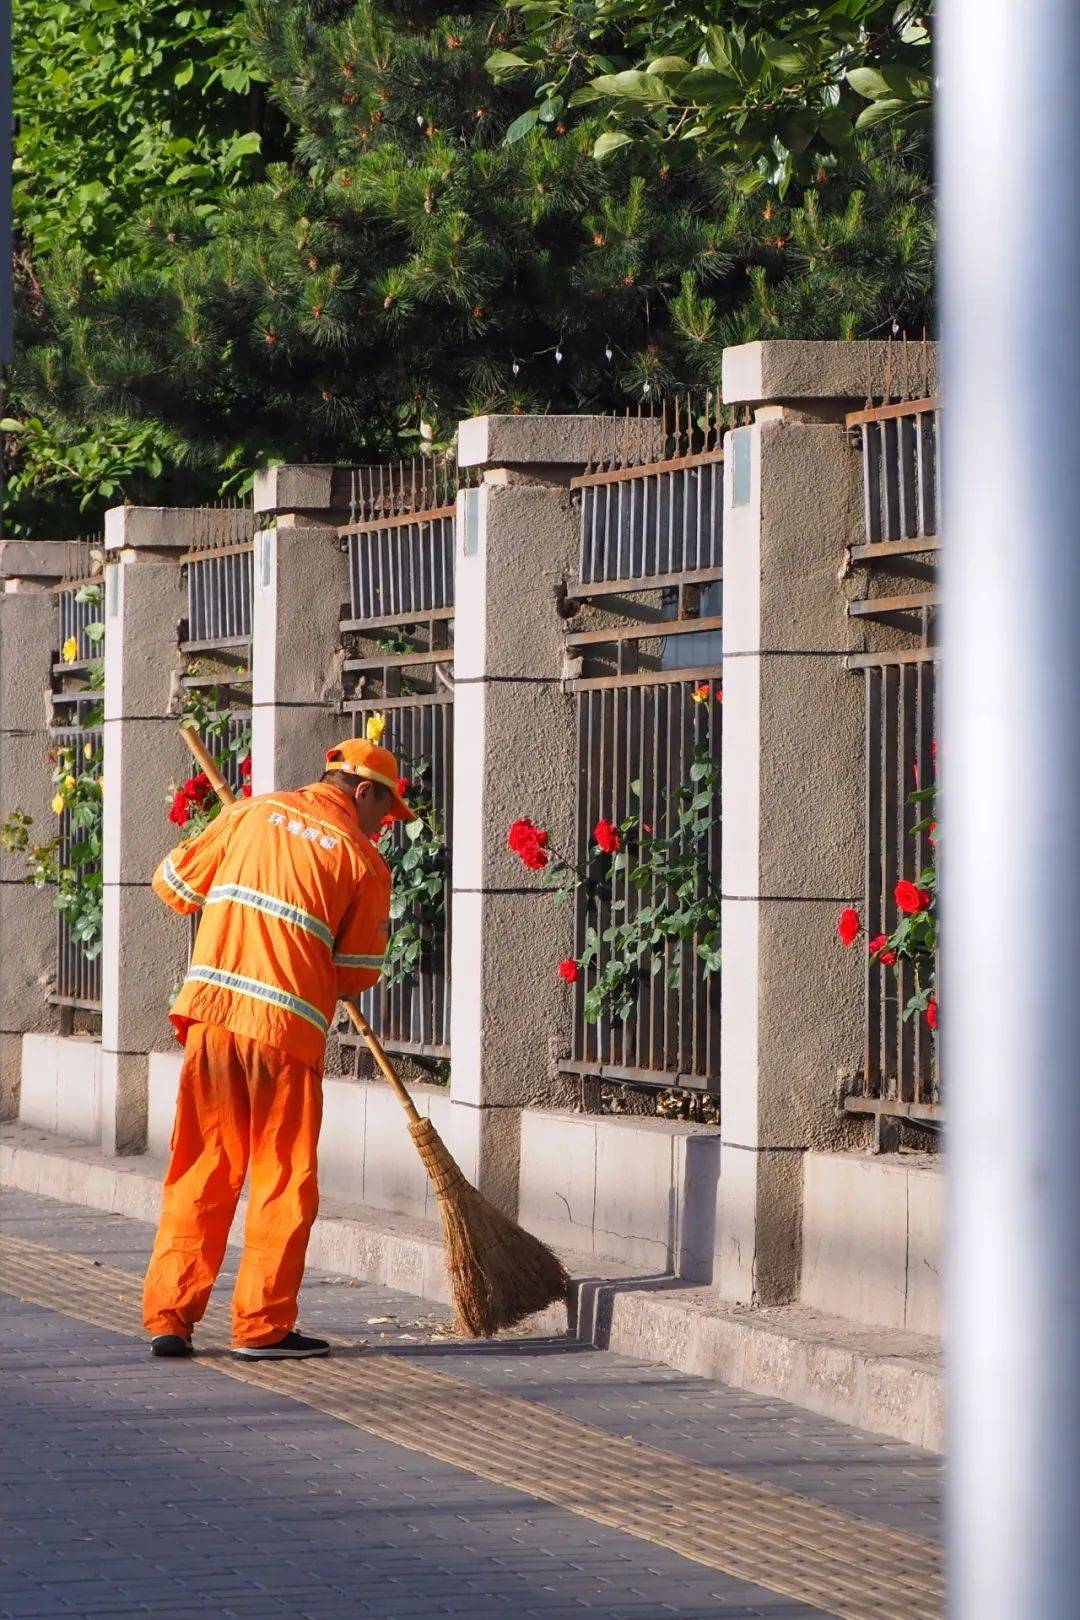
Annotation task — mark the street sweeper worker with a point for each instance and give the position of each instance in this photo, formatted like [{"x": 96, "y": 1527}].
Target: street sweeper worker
[{"x": 295, "y": 901}]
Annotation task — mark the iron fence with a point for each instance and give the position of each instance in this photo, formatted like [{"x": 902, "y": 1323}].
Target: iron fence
[
  {"x": 78, "y": 972},
  {"x": 76, "y": 700},
  {"x": 219, "y": 571},
  {"x": 902, "y": 499},
  {"x": 647, "y": 696},
  {"x": 398, "y": 636}
]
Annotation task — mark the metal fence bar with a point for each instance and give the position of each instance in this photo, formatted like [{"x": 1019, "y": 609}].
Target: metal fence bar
[
  {"x": 78, "y": 977},
  {"x": 901, "y": 503},
  {"x": 646, "y": 526},
  {"x": 398, "y": 634}
]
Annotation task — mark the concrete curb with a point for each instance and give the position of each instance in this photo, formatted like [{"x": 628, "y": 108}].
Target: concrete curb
[{"x": 887, "y": 1380}]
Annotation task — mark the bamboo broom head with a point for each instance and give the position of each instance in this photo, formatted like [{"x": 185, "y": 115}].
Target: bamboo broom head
[{"x": 499, "y": 1273}]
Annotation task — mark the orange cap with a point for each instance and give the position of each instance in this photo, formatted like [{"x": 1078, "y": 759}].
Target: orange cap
[{"x": 360, "y": 757}]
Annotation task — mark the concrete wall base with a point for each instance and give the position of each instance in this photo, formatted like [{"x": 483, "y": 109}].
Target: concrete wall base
[
  {"x": 366, "y": 1155},
  {"x": 642, "y": 1191},
  {"x": 887, "y": 1381},
  {"x": 872, "y": 1238},
  {"x": 60, "y": 1089}
]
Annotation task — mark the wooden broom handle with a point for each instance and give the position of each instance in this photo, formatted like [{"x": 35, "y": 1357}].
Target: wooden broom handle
[{"x": 227, "y": 796}]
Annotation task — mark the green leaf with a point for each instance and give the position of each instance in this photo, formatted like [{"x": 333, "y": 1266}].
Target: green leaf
[
  {"x": 868, "y": 83},
  {"x": 522, "y": 125},
  {"x": 633, "y": 86},
  {"x": 244, "y": 146},
  {"x": 722, "y": 52},
  {"x": 879, "y": 112},
  {"x": 705, "y": 84},
  {"x": 669, "y": 64},
  {"x": 10, "y": 424},
  {"x": 785, "y": 58},
  {"x": 505, "y": 62},
  {"x": 608, "y": 143},
  {"x": 184, "y": 73},
  {"x": 550, "y": 109}
]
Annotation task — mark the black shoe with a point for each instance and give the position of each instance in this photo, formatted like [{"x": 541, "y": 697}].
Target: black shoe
[
  {"x": 170, "y": 1344},
  {"x": 293, "y": 1347}
]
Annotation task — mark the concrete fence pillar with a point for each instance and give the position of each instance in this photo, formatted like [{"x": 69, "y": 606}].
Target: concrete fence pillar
[
  {"x": 514, "y": 755},
  {"x": 144, "y": 948},
  {"x": 792, "y": 797},
  {"x": 301, "y": 583},
  {"x": 28, "y": 570}
]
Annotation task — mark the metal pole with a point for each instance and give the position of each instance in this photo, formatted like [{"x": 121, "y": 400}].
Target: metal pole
[{"x": 1010, "y": 1004}]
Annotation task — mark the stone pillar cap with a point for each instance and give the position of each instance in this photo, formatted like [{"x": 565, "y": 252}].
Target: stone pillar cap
[
  {"x": 556, "y": 441},
  {"x": 781, "y": 371},
  {"x": 45, "y": 561},
  {"x": 175, "y": 528}
]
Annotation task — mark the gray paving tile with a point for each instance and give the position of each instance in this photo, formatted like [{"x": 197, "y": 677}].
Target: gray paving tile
[{"x": 128, "y": 1486}]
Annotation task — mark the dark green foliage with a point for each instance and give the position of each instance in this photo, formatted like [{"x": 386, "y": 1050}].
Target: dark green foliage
[{"x": 408, "y": 265}]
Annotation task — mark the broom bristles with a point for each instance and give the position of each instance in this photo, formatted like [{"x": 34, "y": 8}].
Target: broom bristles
[{"x": 499, "y": 1273}]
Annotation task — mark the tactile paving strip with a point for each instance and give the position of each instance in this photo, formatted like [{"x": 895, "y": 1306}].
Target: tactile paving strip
[{"x": 803, "y": 1549}]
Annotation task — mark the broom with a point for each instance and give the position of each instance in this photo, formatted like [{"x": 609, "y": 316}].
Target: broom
[{"x": 498, "y": 1272}]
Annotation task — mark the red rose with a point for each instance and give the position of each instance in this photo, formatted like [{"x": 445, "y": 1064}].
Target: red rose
[
  {"x": 529, "y": 843},
  {"x": 179, "y": 810},
  {"x": 848, "y": 927},
  {"x": 197, "y": 788},
  {"x": 931, "y": 1012},
  {"x": 719, "y": 694},
  {"x": 403, "y": 786},
  {"x": 910, "y": 898},
  {"x": 245, "y": 790},
  {"x": 607, "y": 836},
  {"x": 930, "y": 831},
  {"x": 568, "y": 970},
  {"x": 874, "y": 945},
  {"x": 245, "y": 766}
]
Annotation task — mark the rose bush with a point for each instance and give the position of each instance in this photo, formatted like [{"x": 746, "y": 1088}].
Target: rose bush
[
  {"x": 70, "y": 860},
  {"x": 915, "y": 936},
  {"x": 678, "y": 896},
  {"x": 193, "y": 803},
  {"x": 415, "y": 852}
]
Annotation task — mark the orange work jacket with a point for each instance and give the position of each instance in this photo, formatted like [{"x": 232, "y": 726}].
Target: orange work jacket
[{"x": 295, "y": 904}]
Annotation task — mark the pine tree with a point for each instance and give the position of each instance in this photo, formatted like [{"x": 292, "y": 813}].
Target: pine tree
[{"x": 407, "y": 264}]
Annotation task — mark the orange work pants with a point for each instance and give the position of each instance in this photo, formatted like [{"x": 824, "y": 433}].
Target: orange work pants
[{"x": 240, "y": 1103}]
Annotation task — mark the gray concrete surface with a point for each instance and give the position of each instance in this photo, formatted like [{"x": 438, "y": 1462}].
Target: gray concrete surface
[{"x": 123, "y": 1494}]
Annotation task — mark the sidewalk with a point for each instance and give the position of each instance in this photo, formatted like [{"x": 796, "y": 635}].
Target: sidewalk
[{"x": 444, "y": 1478}]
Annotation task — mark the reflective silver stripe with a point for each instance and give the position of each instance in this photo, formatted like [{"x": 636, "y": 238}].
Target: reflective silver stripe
[
  {"x": 273, "y": 907},
  {"x": 341, "y": 960},
  {"x": 178, "y": 886},
  {"x": 259, "y": 992}
]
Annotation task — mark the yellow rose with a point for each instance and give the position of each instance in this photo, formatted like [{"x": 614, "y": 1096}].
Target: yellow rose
[
  {"x": 101, "y": 782},
  {"x": 88, "y": 750},
  {"x": 69, "y": 782},
  {"x": 376, "y": 725},
  {"x": 70, "y": 650},
  {"x": 58, "y": 804}
]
